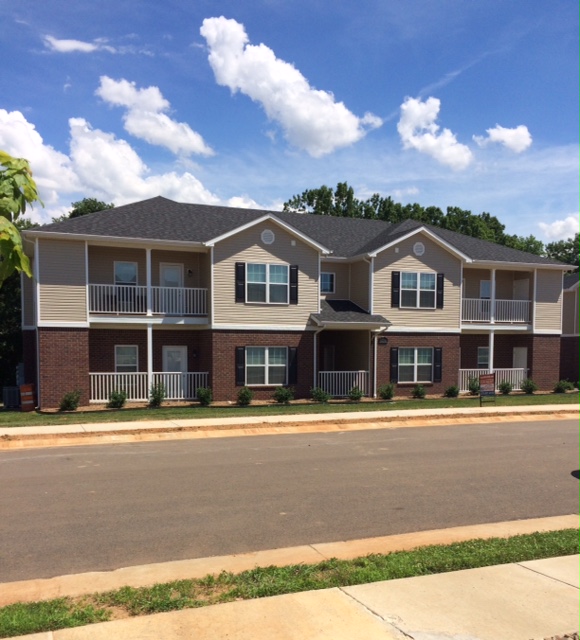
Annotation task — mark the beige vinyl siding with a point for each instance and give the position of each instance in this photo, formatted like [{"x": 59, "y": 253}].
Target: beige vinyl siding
[
  {"x": 190, "y": 261},
  {"x": 102, "y": 263},
  {"x": 359, "y": 284},
  {"x": 62, "y": 281},
  {"x": 504, "y": 282},
  {"x": 28, "y": 319},
  {"x": 247, "y": 246},
  {"x": 548, "y": 307},
  {"x": 341, "y": 280},
  {"x": 570, "y": 313},
  {"x": 435, "y": 259}
]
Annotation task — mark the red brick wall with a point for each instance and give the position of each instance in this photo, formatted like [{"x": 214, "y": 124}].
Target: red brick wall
[
  {"x": 223, "y": 372},
  {"x": 29, "y": 356},
  {"x": 503, "y": 348},
  {"x": 569, "y": 358},
  {"x": 102, "y": 347},
  {"x": 450, "y": 354},
  {"x": 198, "y": 345},
  {"x": 64, "y": 365},
  {"x": 544, "y": 361}
]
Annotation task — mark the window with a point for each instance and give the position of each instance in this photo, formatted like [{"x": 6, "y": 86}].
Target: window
[
  {"x": 485, "y": 289},
  {"x": 327, "y": 283},
  {"x": 482, "y": 357},
  {"x": 418, "y": 290},
  {"x": 126, "y": 358},
  {"x": 267, "y": 283},
  {"x": 266, "y": 365},
  {"x": 126, "y": 273},
  {"x": 415, "y": 364}
]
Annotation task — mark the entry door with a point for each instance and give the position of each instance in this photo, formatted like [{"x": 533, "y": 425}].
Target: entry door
[
  {"x": 520, "y": 358},
  {"x": 175, "y": 363},
  {"x": 328, "y": 357},
  {"x": 171, "y": 296}
]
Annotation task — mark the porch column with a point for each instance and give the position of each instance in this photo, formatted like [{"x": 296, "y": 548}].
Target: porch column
[
  {"x": 375, "y": 337},
  {"x": 491, "y": 345},
  {"x": 149, "y": 356},
  {"x": 148, "y": 271},
  {"x": 315, "y": 358},
  {"x": 492, "y": 301}
]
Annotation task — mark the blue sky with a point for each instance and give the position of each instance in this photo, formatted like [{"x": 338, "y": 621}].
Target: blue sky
[{"x": 466, "y": 103}]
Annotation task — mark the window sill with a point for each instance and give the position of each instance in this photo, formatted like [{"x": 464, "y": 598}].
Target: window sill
[{"x": 412, "y": 384}]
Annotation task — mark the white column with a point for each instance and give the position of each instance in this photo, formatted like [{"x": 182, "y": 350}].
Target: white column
[
  {"x": 491, "y": 348},
  {"x": 149, "y": 356},
  {"x": 148, "y": 276},
  {"x": 375, "y": 337},
  {"x": 492, "y": 301}
]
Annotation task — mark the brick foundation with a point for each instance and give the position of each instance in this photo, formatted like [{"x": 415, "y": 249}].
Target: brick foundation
[
  {"x": 569, "y": 358},
  {"x": 545, "y": 361}
]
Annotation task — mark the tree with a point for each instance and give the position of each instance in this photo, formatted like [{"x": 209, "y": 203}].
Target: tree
[
  {"x": 17, "y": 190},
  {"x": 564, "y": 250},
  {"x": 84, "y": 206}
]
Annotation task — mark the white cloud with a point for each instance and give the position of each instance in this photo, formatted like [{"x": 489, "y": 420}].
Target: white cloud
[
  {"x": 311, "y": 119},
  {"x": 418, "y": 131},
  {"x": 517, "y": 139},
  {"x": 73, "y": 46},
  {"x": 145, "y": 119},
  {"x": 560, "y": 229}
]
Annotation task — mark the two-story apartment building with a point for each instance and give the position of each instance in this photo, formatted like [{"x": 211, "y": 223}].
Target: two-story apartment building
[
  {"x": 570, "y": 329},
  {"x": 193, "y": 295}
]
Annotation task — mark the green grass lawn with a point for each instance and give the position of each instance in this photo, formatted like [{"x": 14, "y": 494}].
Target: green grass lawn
[
  {"x": 36, "y": 617},
  {"x": 189, "y": 411}
]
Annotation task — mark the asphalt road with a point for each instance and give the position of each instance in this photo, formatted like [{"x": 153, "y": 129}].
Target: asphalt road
[{"x": 76, "y": 509}]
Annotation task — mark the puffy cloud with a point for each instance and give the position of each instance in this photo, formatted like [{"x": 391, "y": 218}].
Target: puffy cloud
[
  {"x": 418, "y": 131},
  {"x": 517, "y": 139},
  {"x": 74, "y": 46},
  {"x": 145, "y": 119},
  {"x": 311, "y": 119},
  {"x": 560, "y": 229}
]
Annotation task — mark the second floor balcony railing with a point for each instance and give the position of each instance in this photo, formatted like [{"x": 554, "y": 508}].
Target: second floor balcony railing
[
  {"x": 508, "y": 311},
  {"x": 132, "y": 300}
]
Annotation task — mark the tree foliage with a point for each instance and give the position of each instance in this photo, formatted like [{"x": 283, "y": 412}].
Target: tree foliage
[
  {"x": 564, "y": 250},
  {"x": 83, "y": 207}
]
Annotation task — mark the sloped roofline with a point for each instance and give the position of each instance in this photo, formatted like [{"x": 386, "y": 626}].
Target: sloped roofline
[{"x": 437, "y": 239}]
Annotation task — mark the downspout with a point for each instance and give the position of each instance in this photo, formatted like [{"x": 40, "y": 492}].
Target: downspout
[
  {"x": 375, "y": 337},
  {"x": 37, "y": 317}
]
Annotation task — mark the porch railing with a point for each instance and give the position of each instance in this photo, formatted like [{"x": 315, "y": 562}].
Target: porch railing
[
  {"x": 479, "y": 310},
  {"x": 513, "y": 376},
  {"x": 178, "y": 386},
  {"x": 339, "y": 383},
  {"x": 131, "y": 299}
]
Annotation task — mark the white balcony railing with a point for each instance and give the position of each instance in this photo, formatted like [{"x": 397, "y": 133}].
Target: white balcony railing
[
  {"x": 178, "y": 386},
  {"x": 513, "y": 376},
  {"x": 131, "y": 299},
  {"x": 339, "y": 383},
  {"x": 479, "y": 310}
]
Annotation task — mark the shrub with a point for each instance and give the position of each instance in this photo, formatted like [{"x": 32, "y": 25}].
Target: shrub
[
  {"x": 451, "y": 392},
  {"x": 117, "y": 399},
  {"x": 418, "y": 391},
  {"x": 386, "y": 391},
  {"x": 205, "y": 396},
  {"x": 529, "y": 386},
  {"x": 156, "y": 395},
  {"x": 562, "y": 386},
  {"x": 245, "y": 396},
  {"x": 320, "y": 395},
  {"x": 355, "y": 394},
  {"x": 283, "y": 395},
  {"x": 473, "y": 386},
  {"x": 70, "y": 401},
  {"x": 505, "y": 387}
]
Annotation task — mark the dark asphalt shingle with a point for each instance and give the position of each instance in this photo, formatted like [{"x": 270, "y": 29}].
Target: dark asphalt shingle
[{"x": 346, "y": 311}]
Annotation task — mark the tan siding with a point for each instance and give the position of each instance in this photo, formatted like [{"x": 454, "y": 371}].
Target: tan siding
[
  {"x": 247, "y": 246},
  {"x": 435, "y": 259},
  {"x": 27, "y": 301},
  {"x": 359, "y": 284},
  {"x": 341, "y": 280},
  {"x": 62, "y": 281},
  {"x": 504, "y": 285},
  {"x": 472, "y": 278},
  {"x": 548, "y": 300},
  {"x": 190, "y": 261},
  {"x": 102, "y": 263},
  {"x": 570, "y": 313},
  {"x": 504, "y": 282}
]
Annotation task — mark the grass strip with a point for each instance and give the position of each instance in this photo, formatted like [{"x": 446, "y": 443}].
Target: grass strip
[
  {"x": 187, "y": 412},
  {"x": 36, "y": 617}
]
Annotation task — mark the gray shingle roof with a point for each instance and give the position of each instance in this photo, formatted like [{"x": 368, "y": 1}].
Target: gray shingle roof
[
  {"x": 163, "y": 219},
  {"x": 570, "y": 279},
  {"x": 346, "y": 311}
]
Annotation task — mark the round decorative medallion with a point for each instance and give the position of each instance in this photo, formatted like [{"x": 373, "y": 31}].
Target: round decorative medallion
[
  {"x": 418, "y": 248},
  {"x": 268, "y": 236}
]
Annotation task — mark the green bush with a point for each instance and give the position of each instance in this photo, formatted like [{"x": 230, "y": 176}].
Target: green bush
[
  {"x": 245, "y": 396},
  {"x": 283, "y": 395},
  {"x": 386, "y": 391},
  {"x": 418, "y": 391},
  {"x": 205, "y": 396},
  {"x": 156, "y": 395},
  {"x": 473, "y": 386},
  {"x": 355, "y": 394},
  {"x": 562, "y": 386},
  {"x": 529, "y": 386},
  {"x": 70, "y": 401},
  {"x": 117, "y": 399},
  {"x": 505, "y": 387},
  {"x": 451, "y": 392},
  {"x": 320, "y": 395}
]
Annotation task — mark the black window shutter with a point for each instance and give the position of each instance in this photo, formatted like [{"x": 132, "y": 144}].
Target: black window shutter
[
  {"x": 240, "y": 366},
  {"x": 395, "y": 288},
  {"x": 437, "y": 364},
  {"x": 240, "y": 281},
  {"x": 293, "y": 284},
  {"x": 440, "y": 281},
  {"x": 292, "y": 365},
  {"x": 394, "y": 364}
]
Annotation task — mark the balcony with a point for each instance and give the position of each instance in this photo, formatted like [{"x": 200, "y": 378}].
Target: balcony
[
  {"x": 178, "y": 386},
  {"x": 110, "y": 299},
  {"x": 479, "y": 310}
]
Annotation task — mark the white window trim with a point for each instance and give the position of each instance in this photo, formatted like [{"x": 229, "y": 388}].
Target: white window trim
[
  {"x": 328, "y": 273},
  {"x": 265, "y": 365},
  {"x": 134, "y": 346},
  {"x": 415, "y": 366},
  {"x": 418, "y": 291},
  {"x": 481, "y": 350},
  {"x": 267, "y": 283},
  {"x": 125, "y": 284}
]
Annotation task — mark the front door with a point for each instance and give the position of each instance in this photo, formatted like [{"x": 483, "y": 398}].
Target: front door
[
  {"x": 175, "y": 366},
  {"x": 171, "y": 294}
]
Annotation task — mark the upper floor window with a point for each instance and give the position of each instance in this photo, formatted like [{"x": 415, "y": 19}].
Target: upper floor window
[
  {"x": 126, "y": 358},
  {"x": 327, "y": 282},
  {"x": 126, "y": 273},
  {"x": 418, "y": 290},
  {"x": 266, "y": 283}
]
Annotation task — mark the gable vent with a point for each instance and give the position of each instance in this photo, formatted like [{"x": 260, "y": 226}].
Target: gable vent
[{"x": 268, "y": 236}]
